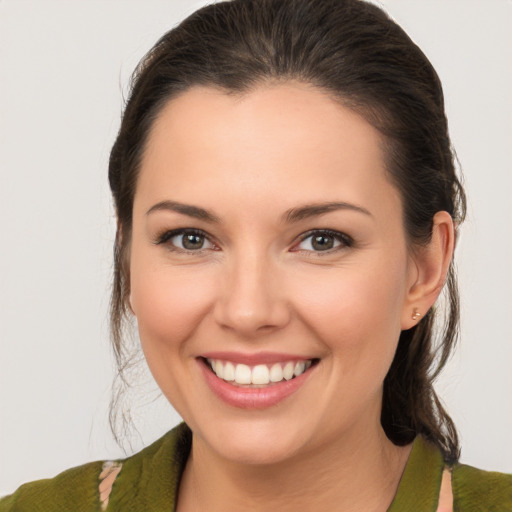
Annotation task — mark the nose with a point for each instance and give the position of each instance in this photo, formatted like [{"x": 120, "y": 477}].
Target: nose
[{"x": 252, "y": 301}]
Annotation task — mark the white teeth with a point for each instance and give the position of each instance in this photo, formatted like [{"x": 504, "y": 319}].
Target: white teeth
[
  {"x": 299, "y": 368},
  {"x": 218, "y": 369},
  {"x": 276, "y": 373},
  {"x": 288, "y": 370},
  {"x": 229, "y": 371},
  {"x": 242, "y": 374},
  {"x": 260, "y": 374}
]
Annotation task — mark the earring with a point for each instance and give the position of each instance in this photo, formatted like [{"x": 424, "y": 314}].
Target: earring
[{"x": 416, "y": 314}]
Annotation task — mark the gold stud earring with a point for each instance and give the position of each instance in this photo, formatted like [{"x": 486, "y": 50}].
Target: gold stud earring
[{"x": 416, "y": 314}]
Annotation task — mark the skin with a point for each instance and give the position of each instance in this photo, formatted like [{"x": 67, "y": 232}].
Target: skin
[{"x": 257, "y": 286}]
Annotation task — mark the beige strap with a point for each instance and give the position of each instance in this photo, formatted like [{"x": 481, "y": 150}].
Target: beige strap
[
  {"x": 108, "y": 475},
  {"x": 446, "y": 493}
]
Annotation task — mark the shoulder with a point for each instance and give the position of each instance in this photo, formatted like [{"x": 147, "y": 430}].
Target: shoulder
[
  {"x": 477, "y": 490},
  {"x": 149, "y": 473},
  {"x": 74, "y": 489}
]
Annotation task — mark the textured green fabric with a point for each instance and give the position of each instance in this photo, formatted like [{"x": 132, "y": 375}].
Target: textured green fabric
[
  {"x": 73, "y": 490},
  {"x": 475, "y": 490},
  {"x": 149, "y": 480},
  {"x": 421, "y": 481}
]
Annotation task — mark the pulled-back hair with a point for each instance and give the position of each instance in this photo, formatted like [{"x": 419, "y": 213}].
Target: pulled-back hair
[{"x": 361, "y": 57}]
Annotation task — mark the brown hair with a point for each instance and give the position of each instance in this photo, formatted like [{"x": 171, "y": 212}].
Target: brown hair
[{"x": 353, "y": 50}]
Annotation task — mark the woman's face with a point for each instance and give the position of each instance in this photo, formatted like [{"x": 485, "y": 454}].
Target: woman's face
[{"x": 267, "y": 240}]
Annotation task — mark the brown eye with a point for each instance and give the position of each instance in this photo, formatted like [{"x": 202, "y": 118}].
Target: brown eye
[
  {"x": 321, "y": 241},
  {"x": 191, "y": 241},
  {"x": 186, "y": 240}
]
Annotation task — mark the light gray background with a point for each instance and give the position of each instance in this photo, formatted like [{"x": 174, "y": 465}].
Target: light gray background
[{"x": 64, "y": 66}]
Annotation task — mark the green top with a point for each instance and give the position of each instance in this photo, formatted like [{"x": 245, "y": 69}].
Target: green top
[{"x": 148, "y": 482}]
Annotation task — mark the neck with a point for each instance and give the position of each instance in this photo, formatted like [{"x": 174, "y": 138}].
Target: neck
[{"x": 359, "y": 471}]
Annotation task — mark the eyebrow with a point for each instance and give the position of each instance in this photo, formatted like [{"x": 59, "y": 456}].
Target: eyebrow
[
  {"x": 290, "y": 216},
  {"x": 312, "y": 210},
  {"x": 184, "y": 209}
]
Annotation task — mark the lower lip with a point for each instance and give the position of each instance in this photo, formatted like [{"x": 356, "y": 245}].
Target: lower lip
[{"x": 252, "y": 398}]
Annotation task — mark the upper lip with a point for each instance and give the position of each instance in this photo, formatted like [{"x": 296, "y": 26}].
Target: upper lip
[{"x": 255, "y": 358}]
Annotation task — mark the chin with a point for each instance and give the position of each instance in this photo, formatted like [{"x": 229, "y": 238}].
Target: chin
[{"x": 254, "y": 442}]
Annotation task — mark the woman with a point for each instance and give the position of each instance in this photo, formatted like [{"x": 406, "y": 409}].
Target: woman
[{"x": 285, "y": 226}]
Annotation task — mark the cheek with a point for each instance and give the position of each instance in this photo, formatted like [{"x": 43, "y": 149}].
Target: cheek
[
  {"x": 356, "y": 312},
  {"x": 168, "y": 302},
  {"x": 170, "y": 305}
]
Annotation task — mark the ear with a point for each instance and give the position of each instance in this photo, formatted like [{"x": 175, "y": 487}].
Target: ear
[{"x": 429, "y": 269}]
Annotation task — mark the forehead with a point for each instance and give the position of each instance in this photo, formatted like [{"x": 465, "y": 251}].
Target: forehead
[{"x": 291, "y": 137}]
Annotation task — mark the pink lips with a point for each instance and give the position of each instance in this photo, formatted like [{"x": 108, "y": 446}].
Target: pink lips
[{"x": 248, "y": 397}]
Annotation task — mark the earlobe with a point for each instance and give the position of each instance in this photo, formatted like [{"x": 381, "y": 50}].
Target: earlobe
[
  {"x": 416, "y": 315},
  {"x": 432, "y": 263}
]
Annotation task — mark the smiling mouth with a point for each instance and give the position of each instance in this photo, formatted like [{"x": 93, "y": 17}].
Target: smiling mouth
[{"x": 260, "y": 375}]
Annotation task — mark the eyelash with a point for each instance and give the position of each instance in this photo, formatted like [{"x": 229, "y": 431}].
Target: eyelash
[
  {"x": 167, "y": 235},
  {"x": 345, "y": 240}
]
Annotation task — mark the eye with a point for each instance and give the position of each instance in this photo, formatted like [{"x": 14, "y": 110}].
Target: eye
[
  {"x": 186, "y": 240},
  {"x": 323, "y": 240}
]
